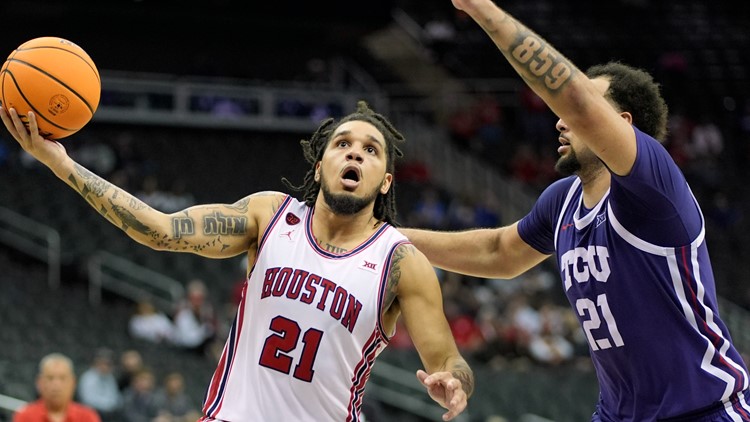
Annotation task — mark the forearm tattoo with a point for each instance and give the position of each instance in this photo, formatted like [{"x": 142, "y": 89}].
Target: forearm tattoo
[
  {"x": 127, "y": 219},
  {"x": 88, "y": 185},
  {"x": 463, "y": 373},
  {"x": 544, "y": 65}
]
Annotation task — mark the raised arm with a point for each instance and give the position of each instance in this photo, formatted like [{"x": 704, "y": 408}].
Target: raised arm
[
  {"x": 567, "y": 91},
  {"x": 414, "y": 286},
  {"x": 488, "y": 253},
  {"x": 217, "y": 231}
]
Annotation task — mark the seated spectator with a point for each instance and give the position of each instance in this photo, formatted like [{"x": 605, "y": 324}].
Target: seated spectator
[
  {"x": 171, "y": 400},
  {"x": 98, "y": 387},
  {"x": 139, "y": 400},
  {"x": 131, "y": 362},
  {"x": 149, "y": 324},
  {"x": 55, "y": 383},
  {"x": 549, "y": 345},
  {"x": 195, "y": 319}
]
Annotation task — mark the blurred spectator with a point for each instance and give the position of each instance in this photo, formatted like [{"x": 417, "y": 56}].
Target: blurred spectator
[
  {"x": 490, "y": 126},
  {"x": 131, "y": 362},
  {"x": 525, "y": 321},
  {"x": 413, "y": 171},
  {"x": 97, "y": 156},
  {"x": 171, "y": 400},
  {"x": 98, "y": 387},
  {"x": 430, "y": 211},
  {"x": 462, "y": 127},
  {"x": 139, "y": 401},
  {"x": 152, "y": 194},
  {"x": 537, "y": 120},
  {"x": 708, "y": 140},
  {"x": 680, "y": 131},
  {"x": 56, "y": 385},
  {"x": 549, "y": 344},
  {"x": 439, "y": 35},
  {"x": 706, "y": 146},
  {"x": 464, "y": 327},
  {"x": 149, "y": 324},
  {"x": 524, "y": 165},
  {"x": 195, "y": 319},
  {"x": 461, "y": 213},
  {"x": 178, "y": 197},
  {"x": 487, "y": 211}
]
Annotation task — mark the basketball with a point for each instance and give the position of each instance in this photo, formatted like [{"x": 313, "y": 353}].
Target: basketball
[{"x": 54, "y": 78}]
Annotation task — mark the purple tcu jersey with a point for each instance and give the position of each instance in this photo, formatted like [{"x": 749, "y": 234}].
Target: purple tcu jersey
[{"x": 636, "y": 270}]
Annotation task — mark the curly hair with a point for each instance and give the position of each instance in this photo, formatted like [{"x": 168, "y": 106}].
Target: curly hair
[
  {"x": 313, "y": 149},
  {"x": 634, "y": 90}
]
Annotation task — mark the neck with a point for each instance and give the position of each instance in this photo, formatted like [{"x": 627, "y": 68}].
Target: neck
[
  {"x": 342, "y": 231},
  {"x": 56, "y": 412},
  {"x": 595, "y": 184}
]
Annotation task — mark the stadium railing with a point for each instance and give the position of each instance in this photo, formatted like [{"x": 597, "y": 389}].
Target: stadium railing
[{"x": 32, "y": 238}]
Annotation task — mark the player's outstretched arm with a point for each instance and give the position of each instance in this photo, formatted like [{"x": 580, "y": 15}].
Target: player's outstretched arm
[
  {"x": 567, "y": 90},
  {"x": 447, "y": 377},
  {"x": 488, "y": 253},
  {"x": 219, "y": 231}
]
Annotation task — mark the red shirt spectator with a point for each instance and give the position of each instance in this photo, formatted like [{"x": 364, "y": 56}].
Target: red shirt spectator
[
  {"x": 56, "y": 383},
  {"x": 38, "y": 412}
]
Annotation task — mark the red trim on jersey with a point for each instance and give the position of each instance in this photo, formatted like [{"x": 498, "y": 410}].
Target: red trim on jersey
[
  {"x": 362, "y": 374},
  {"x": 716, "y": 339}
]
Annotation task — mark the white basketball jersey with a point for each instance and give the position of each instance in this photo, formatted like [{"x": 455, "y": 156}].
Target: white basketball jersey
[{"x": 308, "y": 328}]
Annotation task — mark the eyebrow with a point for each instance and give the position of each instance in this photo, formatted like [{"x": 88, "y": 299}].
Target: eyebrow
[{"x": 347, "y": 132}]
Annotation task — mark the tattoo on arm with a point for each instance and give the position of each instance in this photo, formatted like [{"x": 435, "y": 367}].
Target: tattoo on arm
[
  {"x": 128, "y": 220},
  {"x": 241, "y": 205},
  {"x": 90, "y": 184},
  {"x": 463, "y": 373},
  {"x": 395, "y": 274},
  {"x": 543, "y": 63}
]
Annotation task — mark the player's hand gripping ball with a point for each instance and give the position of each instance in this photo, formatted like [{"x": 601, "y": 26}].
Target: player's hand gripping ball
[{"x": 54, "y": 78}]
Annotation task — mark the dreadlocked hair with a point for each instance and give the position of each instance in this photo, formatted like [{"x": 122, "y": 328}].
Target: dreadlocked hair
[{"x": 313, "y": 149}]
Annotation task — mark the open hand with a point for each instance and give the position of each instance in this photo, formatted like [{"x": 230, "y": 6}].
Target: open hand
[{"x": 446, "y": 390}]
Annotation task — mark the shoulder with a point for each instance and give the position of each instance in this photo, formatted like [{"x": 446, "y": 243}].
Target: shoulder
[
  {"x": 32, "y": 411},
  {"x": 80, "y": 412},
  {"x": 558, "y": 188},
  {"x": 262, "y": 205},
  {"x": 553, "y": 197},
  {"x": 271, "y": 198},
  {"x": 410, "y": 262},
  {"x": 28, "y": 412}
]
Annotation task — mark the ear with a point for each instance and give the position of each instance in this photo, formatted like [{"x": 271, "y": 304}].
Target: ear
[
  {"x": 386, "y": 185},
  {"x": 316, "y": 177},
  {"x": 627, "y": 116}
]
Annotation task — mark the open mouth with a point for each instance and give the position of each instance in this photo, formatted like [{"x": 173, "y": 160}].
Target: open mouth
[{"x": 350, "y": 178}]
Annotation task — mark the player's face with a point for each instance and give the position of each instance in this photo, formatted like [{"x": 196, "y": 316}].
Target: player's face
[
  {"x": 575, "y": 156},
  {"x": 352, "y": 172},
  {"x": 56, "y": 383}
]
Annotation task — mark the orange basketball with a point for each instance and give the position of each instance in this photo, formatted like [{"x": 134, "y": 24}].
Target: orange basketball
[{"x": 55, "y": 79}]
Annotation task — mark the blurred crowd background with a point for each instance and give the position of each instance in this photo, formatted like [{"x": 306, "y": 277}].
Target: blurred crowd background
[{"x": 481, "y": 146}]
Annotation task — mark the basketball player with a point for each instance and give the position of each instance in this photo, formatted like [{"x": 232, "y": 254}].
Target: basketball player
[
  {"x": 627, "y": 235},
  {"x": 330, "y": 276}
]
